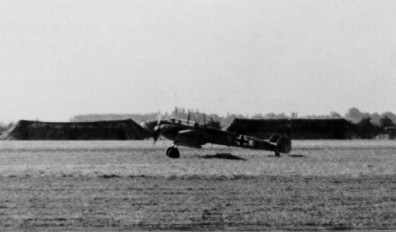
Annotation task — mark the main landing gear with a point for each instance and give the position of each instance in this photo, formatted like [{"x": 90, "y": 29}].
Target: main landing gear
[{"x": 173, "y": 152}]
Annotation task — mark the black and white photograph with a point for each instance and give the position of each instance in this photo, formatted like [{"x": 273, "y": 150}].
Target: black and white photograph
[{"x": 204, "y": 115}]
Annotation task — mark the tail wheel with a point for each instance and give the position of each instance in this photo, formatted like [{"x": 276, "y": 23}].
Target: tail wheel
[{"x": 173, "y": 153}]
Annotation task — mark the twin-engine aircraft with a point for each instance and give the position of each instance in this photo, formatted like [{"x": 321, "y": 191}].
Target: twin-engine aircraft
[{"x": 193, "y": 134}]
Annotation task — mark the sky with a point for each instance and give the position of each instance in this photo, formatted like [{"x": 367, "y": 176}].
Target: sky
[{"x": 64, "y": 58}]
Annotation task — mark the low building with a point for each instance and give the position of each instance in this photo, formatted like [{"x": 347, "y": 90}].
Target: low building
[
  {"x": 102, "y": 130},
  {"x": 300, "y": 128}
]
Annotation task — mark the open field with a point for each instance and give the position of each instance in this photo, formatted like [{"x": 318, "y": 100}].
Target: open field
[{"x": 124, "y": 185}]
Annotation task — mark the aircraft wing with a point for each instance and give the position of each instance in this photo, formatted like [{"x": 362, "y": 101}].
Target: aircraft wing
[{"x": 191, "y": 138}]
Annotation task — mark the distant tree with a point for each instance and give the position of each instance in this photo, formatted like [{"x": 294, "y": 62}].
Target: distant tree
[
  {"x": 385, "y": 122},
  {"x": 175, "y": 112},
  {"x": 375, "y": 118},
  {"x": 366, "y": 115},
  {"x": 335, "y": 115},
  {"x": 257, "y": 116},
  {"x": 314, "y": 116},
  {"x": 354, "y": 115},
  {"x": 270, "y": 115},
  {"x": 365, "y": 129},
  {"x": 390, "y": 115},
  {"x": 111, "y": 117},
  {"x": 282, "y": 116}
]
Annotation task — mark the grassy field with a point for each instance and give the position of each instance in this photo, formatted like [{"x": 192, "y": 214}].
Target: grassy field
[
  {"x": 124, "y": 185},
  {"x": 141, "y": 158}
]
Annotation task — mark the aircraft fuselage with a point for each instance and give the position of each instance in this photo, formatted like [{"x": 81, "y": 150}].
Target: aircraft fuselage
[{"x": 189, "y": 133}]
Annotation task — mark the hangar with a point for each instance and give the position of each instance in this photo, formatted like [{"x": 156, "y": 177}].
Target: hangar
[
  {"x": 300, "y": 128},
  {"x": 101, "y": 130}
]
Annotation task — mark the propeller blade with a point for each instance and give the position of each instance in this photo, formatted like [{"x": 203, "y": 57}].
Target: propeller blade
[
  {"x": 156, "y": 136},
  {"x": 157, "y": 128},
  {"x": 158, "y": 118}
]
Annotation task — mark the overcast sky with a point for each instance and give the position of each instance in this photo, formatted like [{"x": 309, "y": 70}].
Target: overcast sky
[{"x": 62, "y": 58}]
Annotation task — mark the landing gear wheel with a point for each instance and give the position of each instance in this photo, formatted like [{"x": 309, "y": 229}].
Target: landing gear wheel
[
  {"x": 173, "y": 152},
  {"x": 277, "y": 154}
]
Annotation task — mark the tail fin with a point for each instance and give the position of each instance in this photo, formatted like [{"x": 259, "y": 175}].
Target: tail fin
[
  {"x": 283, "y": 142},
  {"x": 283, "y": 145},
  {"x": 289, "y": 129}
]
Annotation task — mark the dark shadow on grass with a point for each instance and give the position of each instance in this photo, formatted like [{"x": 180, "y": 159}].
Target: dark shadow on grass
[
  {"x": 109, "y": 176},
  {"x": 228, "y": 156},
  {"x": 290, "y": 155},
  {"x": 274, "y": 156},
  {"x": 297, "y": 155}
]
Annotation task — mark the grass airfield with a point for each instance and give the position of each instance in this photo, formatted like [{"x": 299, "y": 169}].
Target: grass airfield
[{"x": 132, "y": 185}]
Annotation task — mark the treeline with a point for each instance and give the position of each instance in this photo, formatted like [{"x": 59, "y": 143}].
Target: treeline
[
  {"x": 178, "y": 112},
  {"x": 110, "y": 117},
  {"x": 366, "y": 125}
]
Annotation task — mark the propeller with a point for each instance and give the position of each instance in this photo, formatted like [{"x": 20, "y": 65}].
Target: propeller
[{"x": 157, "y": 128}]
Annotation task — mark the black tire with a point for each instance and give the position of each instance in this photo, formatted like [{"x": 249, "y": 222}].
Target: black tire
[
  {"x": 173, "y": 153},
  {"x": 277, "y": 154}
]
